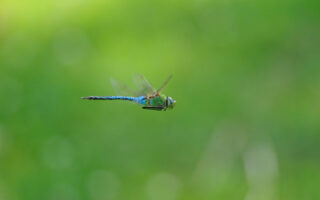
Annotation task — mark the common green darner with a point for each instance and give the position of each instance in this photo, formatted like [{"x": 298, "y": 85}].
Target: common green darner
[{"x": 146, "y": 95}]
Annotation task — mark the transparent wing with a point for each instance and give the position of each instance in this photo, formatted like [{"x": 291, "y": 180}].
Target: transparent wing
[
  {"x": 143, "y": 86},
  {"x": 122, "y": 89},
  {"x": 164, "y": 84}
]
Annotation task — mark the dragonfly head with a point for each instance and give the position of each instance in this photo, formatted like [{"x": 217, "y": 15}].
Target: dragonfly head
[{"x": 170, "y": 103}]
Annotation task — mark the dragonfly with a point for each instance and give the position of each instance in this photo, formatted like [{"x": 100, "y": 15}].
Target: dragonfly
[{"x": 145, "y": 95}]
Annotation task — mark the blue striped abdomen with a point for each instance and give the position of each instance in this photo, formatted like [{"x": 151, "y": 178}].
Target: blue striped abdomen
[
  {"x": 140, "y": 100},
  {"x": 110, "y": 98}
]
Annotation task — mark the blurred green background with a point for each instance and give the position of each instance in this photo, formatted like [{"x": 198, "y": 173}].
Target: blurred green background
[{"x": 246, "y": 80}]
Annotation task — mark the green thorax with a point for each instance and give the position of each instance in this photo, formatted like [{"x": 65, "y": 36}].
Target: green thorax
[{"x": 157, "y": 101}]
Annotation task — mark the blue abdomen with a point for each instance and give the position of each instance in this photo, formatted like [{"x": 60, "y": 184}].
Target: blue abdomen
[
  {"x": 110, "y": 98},
  {"x": 141, "y": 100},
  {"x": 121, "y": 98}
]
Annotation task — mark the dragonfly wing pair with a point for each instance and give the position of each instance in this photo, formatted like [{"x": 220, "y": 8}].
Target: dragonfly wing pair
[{"x": 144, "y": 88}]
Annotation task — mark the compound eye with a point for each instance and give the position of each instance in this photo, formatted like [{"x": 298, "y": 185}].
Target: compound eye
[{"x": 168, "y": 100}]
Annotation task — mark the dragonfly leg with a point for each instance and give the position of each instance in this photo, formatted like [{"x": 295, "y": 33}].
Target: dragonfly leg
[{"x": 153, "y": 108}]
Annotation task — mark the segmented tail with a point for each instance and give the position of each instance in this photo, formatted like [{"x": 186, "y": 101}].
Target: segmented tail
[{"x": 110, "y": 98}]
